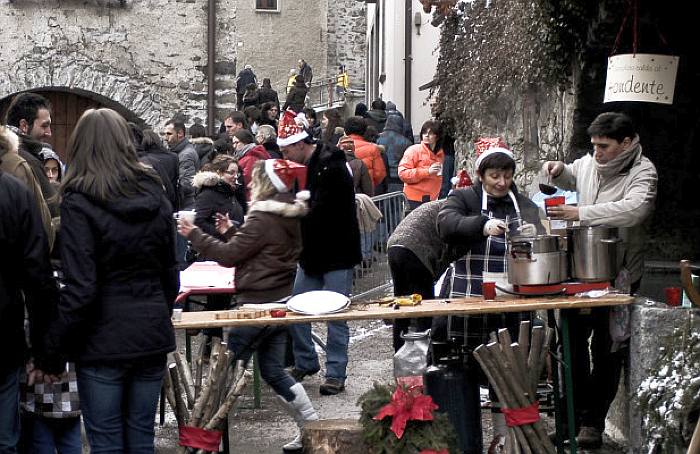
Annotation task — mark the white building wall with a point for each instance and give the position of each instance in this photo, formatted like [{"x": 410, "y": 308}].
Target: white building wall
[{"x": 424, "y": 40}]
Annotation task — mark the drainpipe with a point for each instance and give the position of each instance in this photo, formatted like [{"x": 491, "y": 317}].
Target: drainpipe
[
  {"x": 408, "y": 58},
  {"x": 211, "y": 70}
]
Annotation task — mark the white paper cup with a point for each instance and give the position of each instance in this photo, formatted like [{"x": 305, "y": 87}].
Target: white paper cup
[
  {"x": 177, "y": 315},
  {"x": 187, "y": 215}
]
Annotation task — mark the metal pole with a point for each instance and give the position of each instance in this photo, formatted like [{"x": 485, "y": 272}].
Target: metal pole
[{"x": 211, "y": 71}]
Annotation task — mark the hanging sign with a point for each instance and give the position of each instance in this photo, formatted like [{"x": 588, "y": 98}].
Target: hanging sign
[{"x": 641, "y": 77}]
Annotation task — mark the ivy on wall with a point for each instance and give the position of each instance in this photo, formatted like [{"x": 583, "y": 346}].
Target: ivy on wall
[{"x": 488, "y": 48}]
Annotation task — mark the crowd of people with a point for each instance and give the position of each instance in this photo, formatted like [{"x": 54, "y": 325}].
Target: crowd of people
[{"x": 275, "y": 195}]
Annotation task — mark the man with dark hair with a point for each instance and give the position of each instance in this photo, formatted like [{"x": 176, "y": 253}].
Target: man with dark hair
[
  {"x": 331, "y": 246},
  {"x": 378, "y": 114},
  {"x": 369, "y": 153},
  {"x": 26, "y": 282},
  {"x": 233, "y": 122},
  {"x": 29, "y": 116},
  {"x": 616, "y": 186},
  {"x": 188, "y": 161}
]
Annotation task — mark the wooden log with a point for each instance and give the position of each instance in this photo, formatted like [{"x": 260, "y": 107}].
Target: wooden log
[
  {"x": 534, "y": 357},
  {"x": 185, "y": 378},
  {"x": 218, "y": 380},
  {"x": 544, "y": 353},
  {"x": 694, "y": 447},
  {"x": 330, "y": 436},
  {"x": 219, "y": 419},
  {"x": 170, "y": 396},
  {"x": 524, "y": 336},
  {"x": 514, "y": 363},
  {"x": 177, "y": 389},
  {"x": 495, "y": 376},
  {"x": 522, "y": 400},
  {"x": 204, "y": 397}
]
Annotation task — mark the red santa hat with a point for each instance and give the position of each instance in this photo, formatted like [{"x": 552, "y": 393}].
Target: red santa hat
[
  {"x": 486, "y": 146},
  {"x": 292, "y": 128},
  {"x": 283, "y": 173}
]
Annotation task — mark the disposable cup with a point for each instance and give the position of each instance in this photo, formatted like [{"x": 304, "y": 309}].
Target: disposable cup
[
  {"x": 488, "y": 289},
  {"x": 553, "y": 201},
  {"x": 187, "y": 215},
  {"x": 673, "y": 296}
]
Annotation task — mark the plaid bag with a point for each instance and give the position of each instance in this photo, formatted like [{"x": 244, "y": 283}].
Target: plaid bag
[{"x": 55, "y": 400}]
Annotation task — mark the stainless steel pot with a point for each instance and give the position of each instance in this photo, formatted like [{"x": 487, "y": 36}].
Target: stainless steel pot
[
  {"x": 593, "y": 253},
  {"x": 536, "y": 260}
]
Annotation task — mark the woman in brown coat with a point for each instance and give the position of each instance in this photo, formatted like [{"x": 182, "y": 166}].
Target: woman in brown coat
[{"x": 265, "y": 251}]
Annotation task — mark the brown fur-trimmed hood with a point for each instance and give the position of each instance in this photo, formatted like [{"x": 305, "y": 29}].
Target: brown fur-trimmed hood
[{"x": 293, "y": 208}]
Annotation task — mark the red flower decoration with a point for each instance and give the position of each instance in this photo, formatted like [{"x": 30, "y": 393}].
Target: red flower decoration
[
  {"x": 404, "y": 407},
  {"x": 432, "y": 451}
]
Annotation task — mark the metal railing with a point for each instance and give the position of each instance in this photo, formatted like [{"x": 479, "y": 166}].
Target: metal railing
[
  {"x": 324, "y": 94},
  {"x": 372, "y": 278}
]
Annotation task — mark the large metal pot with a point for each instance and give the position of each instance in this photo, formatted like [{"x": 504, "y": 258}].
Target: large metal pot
[
  {"x": 593, "y": 253},
  {"x": 536, "y": 260}
]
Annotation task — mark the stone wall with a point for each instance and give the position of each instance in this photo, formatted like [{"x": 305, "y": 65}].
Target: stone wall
[
  {"x": 151, "y": 57},
  {"x": 112, "y": 52},
  {"x": 347, "y": 27}
]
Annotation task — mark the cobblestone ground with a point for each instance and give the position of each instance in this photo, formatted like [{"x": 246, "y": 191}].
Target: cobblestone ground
[{"x": 266, "y": 429}]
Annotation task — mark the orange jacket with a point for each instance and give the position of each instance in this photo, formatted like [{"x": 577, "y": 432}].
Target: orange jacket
[
  {"x": 371, "y": 156},
  {"x": 413, "y": 171}
]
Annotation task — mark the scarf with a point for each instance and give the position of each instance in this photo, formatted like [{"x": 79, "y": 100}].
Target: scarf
[{"x": 615, "y": 165}]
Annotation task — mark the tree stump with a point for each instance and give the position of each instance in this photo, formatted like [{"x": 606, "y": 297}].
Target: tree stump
[{"x": 331, "y": 436}]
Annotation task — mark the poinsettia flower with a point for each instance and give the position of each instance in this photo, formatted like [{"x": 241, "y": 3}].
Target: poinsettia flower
[{"x": 406, "y": 407}]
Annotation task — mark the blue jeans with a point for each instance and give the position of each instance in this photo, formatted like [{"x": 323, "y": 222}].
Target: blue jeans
[
  {"x": 51, "y": 434},
  {"x": 270, "y": 342},
  {"x": 118, "y": 403},
  {"x": 9, "y": 412},
  {"x": 305, "y": 356}
]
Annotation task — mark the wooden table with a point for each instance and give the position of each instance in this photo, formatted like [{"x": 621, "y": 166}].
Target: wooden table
[{"x": 436, "y": 308}]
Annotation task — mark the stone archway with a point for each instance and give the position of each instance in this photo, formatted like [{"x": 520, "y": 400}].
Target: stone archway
[{"x": 67, "y": 105}]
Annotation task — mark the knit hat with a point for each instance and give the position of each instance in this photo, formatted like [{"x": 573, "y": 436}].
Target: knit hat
[
  {"x": 283, "y": 173},
  {"x": 486, "y": 146},
  {"x": 292, "y": 128}
]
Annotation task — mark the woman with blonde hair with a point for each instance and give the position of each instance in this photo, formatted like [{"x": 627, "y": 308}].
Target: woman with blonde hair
[
  {"x": 265, "y": 251},
  {"x": 117, "y": 244}
]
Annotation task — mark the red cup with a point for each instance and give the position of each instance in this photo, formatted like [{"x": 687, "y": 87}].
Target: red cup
[
  {"x": 673, "y": 296},
  {"x": 553, "y": 201},
  {"x": 488, "y": 289}
]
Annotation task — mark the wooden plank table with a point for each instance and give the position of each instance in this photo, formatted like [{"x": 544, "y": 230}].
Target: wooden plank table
[
  {"x": 442, "y": 307},
  {"x": 428, "y": 308}
]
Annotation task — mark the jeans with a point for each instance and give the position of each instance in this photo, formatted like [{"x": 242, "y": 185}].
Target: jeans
[
  {"x": 338, "y": 337},
  {"x": 118, "y": 403},
  {"x": 270, "y": 342},
  {"x": 49, "y": 435},
  {"x": 9, "y": 411}
]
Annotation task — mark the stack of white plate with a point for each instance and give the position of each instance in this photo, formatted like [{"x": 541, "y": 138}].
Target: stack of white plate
[{"x": 318, "y": 302}]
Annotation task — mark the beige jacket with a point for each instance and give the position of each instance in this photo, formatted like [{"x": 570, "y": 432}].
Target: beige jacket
[
  {"x": 621, "y": 194},
  {"x": 17, "y": 166}
]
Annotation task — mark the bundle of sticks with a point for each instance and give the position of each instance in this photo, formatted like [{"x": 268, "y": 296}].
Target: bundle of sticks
[
  {"x": 513, "y": 370},
  {"x": 207, "y": 405}
]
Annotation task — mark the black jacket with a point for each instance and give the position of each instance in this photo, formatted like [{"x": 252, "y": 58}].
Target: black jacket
[
  {"x": 461, "y": 223},
  {"x": 330, "y": 233},
  {"x": 25, "y": 277},
  {"x": 29, "y": 149},
  {"x": 120, "y": 277},
  {"x": 266, "y": 94},
  {"x": 245, "y": 78},
  {"x": 214, "y": 196},
  {"x": 205, "y": 149},
  {"x": 296, "y": 98},
  {"x": 166, "y": 166}
]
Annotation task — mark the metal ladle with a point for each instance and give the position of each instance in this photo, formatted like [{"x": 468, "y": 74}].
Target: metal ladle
[{"x": 547, "y": 188}]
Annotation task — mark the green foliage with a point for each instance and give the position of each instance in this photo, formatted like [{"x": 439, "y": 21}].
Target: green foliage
[
  {"x": 491, "y": 48},
  {"x": 436, "y": 434}
]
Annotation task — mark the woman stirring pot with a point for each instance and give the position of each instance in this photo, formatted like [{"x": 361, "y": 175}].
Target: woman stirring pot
[{"x": 477, "y": 217}]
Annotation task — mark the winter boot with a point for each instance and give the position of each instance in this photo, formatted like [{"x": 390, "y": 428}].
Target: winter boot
[{"x": 302, "y": 411}]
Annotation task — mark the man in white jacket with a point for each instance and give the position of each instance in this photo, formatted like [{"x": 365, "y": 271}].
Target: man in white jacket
[{"x": 616, "y": 187}]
